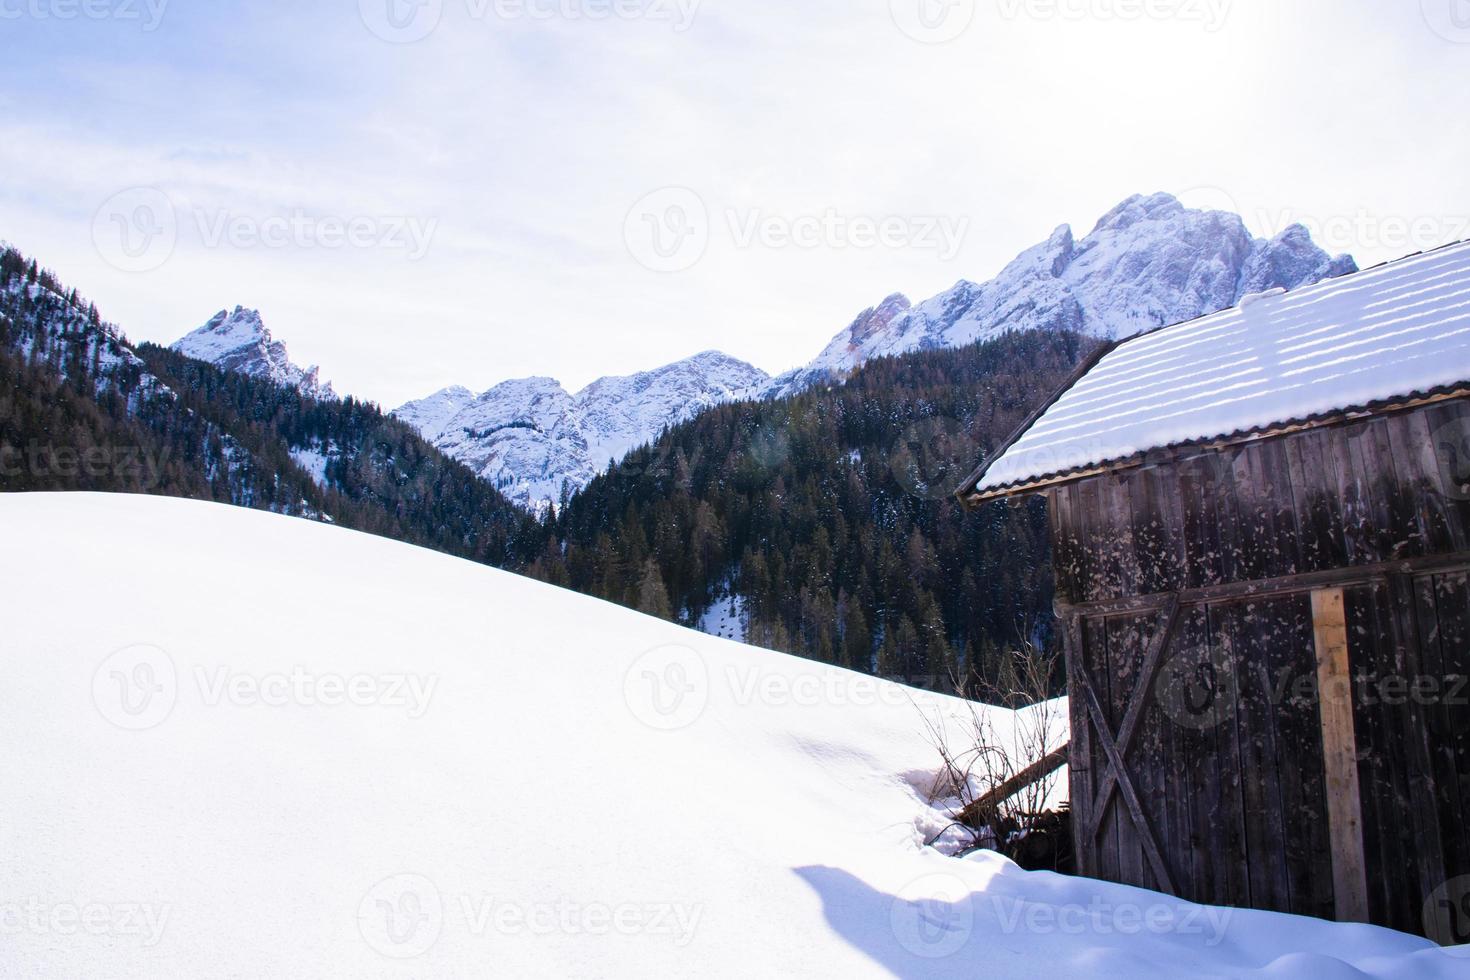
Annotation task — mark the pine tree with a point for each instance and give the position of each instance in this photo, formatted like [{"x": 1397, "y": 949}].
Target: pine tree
[
  {"x": 857, "y": 642},
  {"x": 653, "y": 597}
]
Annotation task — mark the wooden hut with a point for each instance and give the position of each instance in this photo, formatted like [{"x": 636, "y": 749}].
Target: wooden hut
[{"x": 1260, "y": 525}]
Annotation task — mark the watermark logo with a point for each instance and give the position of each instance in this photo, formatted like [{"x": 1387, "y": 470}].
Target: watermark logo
[
  {"x": 668, "y": 230},
  {"x": 1450, "y": 19},
  {"x": 148, "y": 14},
  {"x": 1451, "y": 443},
  {"x": 667, "y": 688},
  {"x": 933, "y": 456},
  {"x": 401, "y": 917},
  {"x": 932, "y": 21},
  {"x": 1447, "y": 913},
  {"x": 136, "y": 230},
  {"x": 1196, "y": 688},
  {"x": 770, "y": 447},
  {"x": 932, "y": 917},
  {"x": 401, "y": 21},
  {"x": 136, "y": 687}
]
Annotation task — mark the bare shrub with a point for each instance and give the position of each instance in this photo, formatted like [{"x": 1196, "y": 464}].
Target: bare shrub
[{"x": 997, "y": 786}]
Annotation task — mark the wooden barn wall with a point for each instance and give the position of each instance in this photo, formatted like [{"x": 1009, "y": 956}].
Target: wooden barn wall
[
  {"x": 1371, "y": 491},
  {"x": 1227, "y": 756}
]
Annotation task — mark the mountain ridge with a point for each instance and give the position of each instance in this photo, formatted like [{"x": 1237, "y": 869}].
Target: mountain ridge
[
  {"x": 1148, "y": 262},
  {"x": 538, "y": 443}
]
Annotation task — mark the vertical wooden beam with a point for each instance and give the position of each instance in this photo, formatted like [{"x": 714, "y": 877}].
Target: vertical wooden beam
[{"x": 1340, "y": 755}]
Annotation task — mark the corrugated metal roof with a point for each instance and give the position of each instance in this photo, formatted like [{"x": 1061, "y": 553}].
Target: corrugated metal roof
[{"x": 1383, "y": 334}]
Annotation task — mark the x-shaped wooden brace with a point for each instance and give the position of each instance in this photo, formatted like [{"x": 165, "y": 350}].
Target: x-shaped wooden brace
[{"x": 1116, "y": 747}]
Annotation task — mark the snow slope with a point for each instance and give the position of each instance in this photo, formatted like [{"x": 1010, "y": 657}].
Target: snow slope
[
  {"x": 236, "y": 744},
  {"x": 1149, "y": 262},
  {"x": 531, "y": 438},
  {"x": 239, "y": 341}
]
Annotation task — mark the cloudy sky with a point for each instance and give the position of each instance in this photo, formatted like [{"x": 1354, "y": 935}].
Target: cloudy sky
[{"x": 424, "y": 192}]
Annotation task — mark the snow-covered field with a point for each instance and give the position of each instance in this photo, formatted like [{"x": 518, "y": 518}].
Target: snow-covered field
[{"x": 233, "y": 744}]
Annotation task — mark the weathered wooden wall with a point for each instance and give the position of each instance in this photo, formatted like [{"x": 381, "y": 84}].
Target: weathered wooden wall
[
  {"x": 1355, "y": 494},
  {"x": 1224, "y": 742}
]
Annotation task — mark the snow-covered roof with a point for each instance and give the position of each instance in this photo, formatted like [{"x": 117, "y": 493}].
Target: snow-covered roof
[{"x": 1386, "y": 334}]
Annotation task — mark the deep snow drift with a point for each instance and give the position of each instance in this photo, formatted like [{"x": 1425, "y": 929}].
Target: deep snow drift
[{"x": 236, "y": 744}]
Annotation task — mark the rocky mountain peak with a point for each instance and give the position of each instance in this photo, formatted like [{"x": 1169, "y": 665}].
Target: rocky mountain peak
[
  {"x": 239, "y": 341},
  {"x": 1147, "y": 263}
]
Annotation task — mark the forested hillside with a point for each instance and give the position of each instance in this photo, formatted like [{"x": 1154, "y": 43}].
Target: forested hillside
[
  {"x": 82, "y": 409},
  {"x": 828, "y": 517}
]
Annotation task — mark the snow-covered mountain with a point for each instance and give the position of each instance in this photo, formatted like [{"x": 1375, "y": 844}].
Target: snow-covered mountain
[
  {"x": 1149, "y": 262},
  {"x": 531, "y": 438},
  {"x": 239, "y": 341}
]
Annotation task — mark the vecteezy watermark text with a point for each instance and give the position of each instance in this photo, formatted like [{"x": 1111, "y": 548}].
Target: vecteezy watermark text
[
  {"x": 148, "y": 14},
  {"x": 138, "y": 229},
  {"x": 137, "y": 688},
  {"x": 670, "y": 230},
  {"x": 140, "y": 920},
  {"x": 44, "y": 461},
  {"x": 303, "y": 688},
  {"x": 403, "y": 916},
  {"x": 669, "y": 687},
  {"x": 1101, "y": 917}
]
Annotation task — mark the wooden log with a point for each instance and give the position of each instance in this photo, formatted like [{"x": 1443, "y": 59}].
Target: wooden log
[{"x": 982, "y": 812}]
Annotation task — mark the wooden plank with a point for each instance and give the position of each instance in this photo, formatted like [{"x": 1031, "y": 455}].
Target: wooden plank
[
  {"x": 1251, "y": 627},
  {"x": 1319, "y": 521},
  {"x": 1344, "y": 800},
  {"x": 1285, "y": 557},
  {"x": 1201, "y": 532},
  {"x": 1196, "y": 764},
  {"x": 1089, "y": 527},
  {"x": 1418, "y": 468},
  {"x": 1388, "y": 826},
  {"x": 1422, "y": 779},
  {"x": 1234, "y": 856},
  {"x": 1080, "y": 768},
  {"x": 1292, "y": 664},
  {"x": 1444, "y": 621},
  {"x": 1125, "y": 656},
  {"x": 1257, "y": 537}
]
